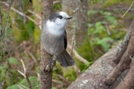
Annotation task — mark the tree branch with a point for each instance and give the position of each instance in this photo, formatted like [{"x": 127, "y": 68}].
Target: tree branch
[
  {"x": 125, "y": 60},
  {"x": 128, "y": 81},
  {"x": 77, "y": 55},
  {"x": 45, "y": 77},
  {"x": 123, "y": 46},
  {"x": 128, "y": 9},
  {"x": 25, "y": 75},
  {"x": 20, "y": 13}
]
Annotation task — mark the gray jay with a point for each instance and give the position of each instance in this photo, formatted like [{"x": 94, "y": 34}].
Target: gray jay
[{"x": 54, "y": 38}]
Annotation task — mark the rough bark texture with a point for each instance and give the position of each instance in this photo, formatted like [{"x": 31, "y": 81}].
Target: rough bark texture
[
  {"x": 125, "y": 59},
  {"x": 123, "y": 46},
  {"x": 128, "y": 81},
  {"x": 45, "y": 77},
  {"x": 95, "y": 75},
  {"x": 78, "y": 9}
]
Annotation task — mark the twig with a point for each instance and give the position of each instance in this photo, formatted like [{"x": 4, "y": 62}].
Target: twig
[
  {"x": 61, "y": 77},
  {"x": 128, "y": 9},
  {"x": 77, "y": 55},
  {"x": 20, "y": 13},
  {"x": 39, "y": 17},
  {"x": 56, "y": 2},
  {"x": 25, "y": 74},
  {"x": 56, "y": 81},
  {"x": 32, "y": 56},
  {"x": 35, "y": 14},
  {"x": 107, "y": 29}
]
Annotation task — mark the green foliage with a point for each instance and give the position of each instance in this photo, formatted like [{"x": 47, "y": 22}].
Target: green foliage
[
  {"x": 24, "y": 31},
  {"x": 13, "y": 61},
  {"x": 57, "y": 6},
  {"x": 7, "y": 74},
  {"x": 23, "y": 83},
  {"x": 104, "y": 42},
  {"x": 86, "y": 50},
  {"x": 110, "y": 18},
  {"x": 15, "y": 86},
  {"x": 101, "y": 34},
  {"x": 3, "y": 71},
  {"x": 69, "y": 73},
  {"x": 111, "y": 2},
  {"x": 36, "y": 35},
  {"x": 86, "y": 66}
]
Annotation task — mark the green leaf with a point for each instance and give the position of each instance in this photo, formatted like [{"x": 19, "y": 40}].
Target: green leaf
[
  {"x": 99, "y": 28},
  {"x": 33, "y": 80},
  {"x": 13, "y": 87},
  {"x": 112, "y": 20},
  {"x": 13, "y": 60},
  {"x": 37, "y": 35},
  {"x": 104, "y": 43}
]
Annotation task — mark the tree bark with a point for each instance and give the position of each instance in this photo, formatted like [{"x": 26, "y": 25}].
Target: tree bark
[
  {"x": 45, "y": 77},
  {"x": 128, "y": 81},
  {"x": 76, "y": 26},
  {"x": 123, "y": 46},
  {"x": 95, "y": 75}
]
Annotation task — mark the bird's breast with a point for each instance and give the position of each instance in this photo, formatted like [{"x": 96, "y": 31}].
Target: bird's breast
[{"x": 53, "y": 44}]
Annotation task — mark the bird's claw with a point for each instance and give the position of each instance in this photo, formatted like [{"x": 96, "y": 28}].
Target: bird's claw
[{"x": 50, "y": 66}]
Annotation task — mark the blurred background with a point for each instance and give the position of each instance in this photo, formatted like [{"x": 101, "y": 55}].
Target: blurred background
[{"x": 97, "y": 26}]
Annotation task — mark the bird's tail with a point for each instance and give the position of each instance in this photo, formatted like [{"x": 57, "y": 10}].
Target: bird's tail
[{"x": 65, "y": 59}]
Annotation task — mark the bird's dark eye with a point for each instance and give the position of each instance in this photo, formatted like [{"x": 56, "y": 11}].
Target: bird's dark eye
[{"x": 60, "y": 17}]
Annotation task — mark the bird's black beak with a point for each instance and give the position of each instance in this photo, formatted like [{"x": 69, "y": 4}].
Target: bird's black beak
[{"x": 69, "y": 18}]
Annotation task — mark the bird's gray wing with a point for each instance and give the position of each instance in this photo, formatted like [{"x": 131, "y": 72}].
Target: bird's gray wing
[{"x": 65, "y": 40}]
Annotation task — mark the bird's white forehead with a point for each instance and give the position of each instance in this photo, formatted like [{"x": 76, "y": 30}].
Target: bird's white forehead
[{"x": 63, "y": 14}]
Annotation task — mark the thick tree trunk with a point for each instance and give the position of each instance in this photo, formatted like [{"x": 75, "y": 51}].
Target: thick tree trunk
[
  {"x": 45, "y": 76},
  {"x": 95, "y": 75},
  {"x": 128, "y": 81}
]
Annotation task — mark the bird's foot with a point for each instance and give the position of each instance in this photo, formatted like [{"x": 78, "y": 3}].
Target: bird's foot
[{"x": 50, "y": 66}]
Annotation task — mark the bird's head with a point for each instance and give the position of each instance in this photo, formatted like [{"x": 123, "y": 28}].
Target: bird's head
[{"x": 60, "y": 19}]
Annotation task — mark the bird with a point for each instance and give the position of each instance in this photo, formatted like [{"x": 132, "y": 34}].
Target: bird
[{"x": 54, "y": 38}]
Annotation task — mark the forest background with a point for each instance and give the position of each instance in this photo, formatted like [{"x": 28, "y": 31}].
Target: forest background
[{"x": 106, "y": 26}]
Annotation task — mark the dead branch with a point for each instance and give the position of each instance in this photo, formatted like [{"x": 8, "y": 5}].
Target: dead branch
[
  {"x": 25, "y": 74},
  {"x": 20, "y": 13},
  {"x": 128, "y": 9},
  {"x": 77, "y": 55},
  {"x": 125, "y": 60},
  {"x": 34, "y": 13}
]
